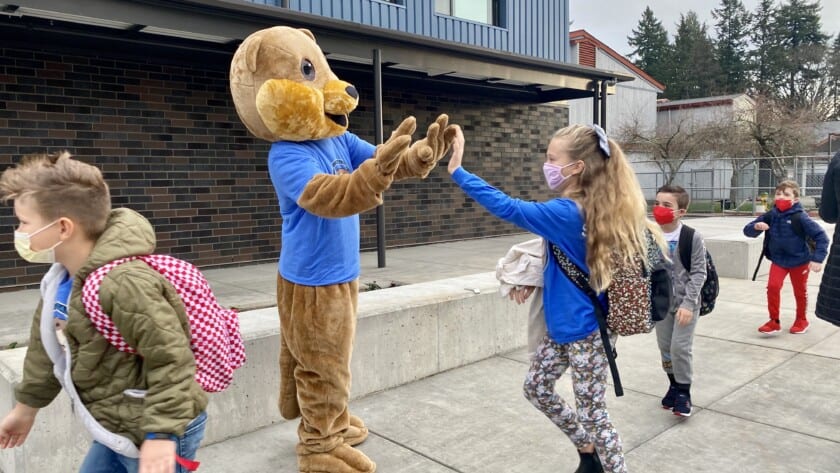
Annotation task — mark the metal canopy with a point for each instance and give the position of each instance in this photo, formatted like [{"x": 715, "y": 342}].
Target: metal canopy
[{"x": 227, "y": 22}]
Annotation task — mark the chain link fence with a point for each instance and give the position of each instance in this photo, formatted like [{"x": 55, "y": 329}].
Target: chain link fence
[{"x": 735, "y": 185}]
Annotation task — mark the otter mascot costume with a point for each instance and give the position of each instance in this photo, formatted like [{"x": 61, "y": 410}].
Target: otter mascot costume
[{"x": 324, "y": 176}]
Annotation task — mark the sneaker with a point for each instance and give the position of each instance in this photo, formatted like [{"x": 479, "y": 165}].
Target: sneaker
[
  {"x": 668, "y": 400},
  {"x": 589, "y": 463},
  {"x": 772, "y": 326},
  {"x": 800, "y": 326},
  {"x": 682, "y": 405}
]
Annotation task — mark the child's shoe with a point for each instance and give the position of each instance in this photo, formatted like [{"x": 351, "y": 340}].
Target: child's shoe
[
  {"x": 589, "y": 463},
  {"x": 668, "y": 400},
  {"x": 800, "y": 326},
  {"x": 772, "y": 326},
  {"x": 682, "y": 405}
]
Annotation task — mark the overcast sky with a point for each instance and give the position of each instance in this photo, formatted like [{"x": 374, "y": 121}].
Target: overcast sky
[{"x": 612, "y": 21}]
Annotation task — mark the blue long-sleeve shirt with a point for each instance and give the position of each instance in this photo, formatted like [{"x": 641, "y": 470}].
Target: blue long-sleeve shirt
[
  {"x": 569, "y": 314},
  {"x": 316, "y": 251},
  {"x": 786, "y": 248}
]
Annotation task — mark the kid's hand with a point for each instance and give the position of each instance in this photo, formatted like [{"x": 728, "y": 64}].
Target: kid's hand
[
  {"x": 157, "y": 456},
  {"x": 521, "y": 294},
  {"x": 815, "y": 267},
  {"x": 16, "y": 426},
  {"x": 684, "y": 316},
  {"x": 761, "y": 226},
  {"x": 458, "y": 153}
]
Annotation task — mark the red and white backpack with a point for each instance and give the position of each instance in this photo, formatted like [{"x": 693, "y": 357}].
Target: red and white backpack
[{"x": 215, "y": 339}]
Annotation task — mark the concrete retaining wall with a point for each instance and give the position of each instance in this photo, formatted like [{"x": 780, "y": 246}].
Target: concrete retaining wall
[{"x": 404, "y": 334}]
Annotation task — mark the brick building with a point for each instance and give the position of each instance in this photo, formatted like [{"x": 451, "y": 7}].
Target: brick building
[{"x": 140, "y": 88}]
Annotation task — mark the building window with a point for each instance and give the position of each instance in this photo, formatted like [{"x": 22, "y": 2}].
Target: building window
[{"x": 481, "y": 11}]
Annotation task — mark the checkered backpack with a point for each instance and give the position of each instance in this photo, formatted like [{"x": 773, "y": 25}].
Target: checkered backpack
[{"x": 214, "y": 331}]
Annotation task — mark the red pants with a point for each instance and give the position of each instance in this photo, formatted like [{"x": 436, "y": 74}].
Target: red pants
[{"x": 799, "y": 280}]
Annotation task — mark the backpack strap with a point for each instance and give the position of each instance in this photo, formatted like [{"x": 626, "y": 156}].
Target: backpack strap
[
  {"x": 580, "y": 278},
  {"x": 685, "y": 246},
  {"x": 93, "y": 307},
  {"x": 766, "y": 218},
  {"x": 796, "y": 222}
]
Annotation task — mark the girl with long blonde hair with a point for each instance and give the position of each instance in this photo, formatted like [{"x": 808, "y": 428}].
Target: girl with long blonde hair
[{"x": 598, "y": 220}]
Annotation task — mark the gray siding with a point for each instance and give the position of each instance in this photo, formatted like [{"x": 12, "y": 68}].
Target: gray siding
[{"x": 537, "y": 28}]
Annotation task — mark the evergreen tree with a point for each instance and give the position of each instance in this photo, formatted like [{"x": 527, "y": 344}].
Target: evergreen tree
[
  {"x": 833, "y": 66},
  {"x": 696, "y": 71},
  {"x": 765, "y": 57},
  {"x": 804, "y": 44},
  {"x": 732, "y": 28},
  {"x": 652, "y": 51}
]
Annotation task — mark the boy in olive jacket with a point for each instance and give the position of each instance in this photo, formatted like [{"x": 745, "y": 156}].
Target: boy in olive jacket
[{"x": 143, "y": 410}]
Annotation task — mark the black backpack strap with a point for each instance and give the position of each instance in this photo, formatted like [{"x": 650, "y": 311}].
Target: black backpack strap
[
  {"x": 685, "y": 246},
  {"x": 796, "y": 222},
  {"x": 581, "y": 279},
  {"x": 766, "y": 218}
]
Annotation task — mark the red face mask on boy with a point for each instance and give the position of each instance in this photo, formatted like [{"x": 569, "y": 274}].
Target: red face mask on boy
[
  {"x": 783, "y": 204},
  {"x": 663, "y": 215}
]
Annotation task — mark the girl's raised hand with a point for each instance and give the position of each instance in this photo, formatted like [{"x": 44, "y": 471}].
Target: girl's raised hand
[{"x": 457, "y": 150}]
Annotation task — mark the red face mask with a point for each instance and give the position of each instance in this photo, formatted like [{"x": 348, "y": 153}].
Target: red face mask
[
  {"x": 663, "y": 215},
  {"x": 783, "y": 204}
]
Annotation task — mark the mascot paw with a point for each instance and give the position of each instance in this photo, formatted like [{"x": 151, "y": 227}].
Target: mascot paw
[
  {"x": 342, "y": 459},
  {"x": 356, "y": 433},
  {"x": 388, "y": 153},
  {"x": 424, "y": 154}
]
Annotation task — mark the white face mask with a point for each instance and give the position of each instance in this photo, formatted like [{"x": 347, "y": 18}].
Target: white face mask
[{"x": 23, "y": 245}]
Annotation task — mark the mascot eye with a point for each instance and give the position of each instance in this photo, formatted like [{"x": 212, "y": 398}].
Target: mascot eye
[{"x": 307, "y": 69}]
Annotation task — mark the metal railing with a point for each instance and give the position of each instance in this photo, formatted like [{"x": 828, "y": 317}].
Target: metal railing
[{"x": 736, "y": 185}]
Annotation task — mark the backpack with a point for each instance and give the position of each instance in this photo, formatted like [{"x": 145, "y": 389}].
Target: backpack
[
  {"x": 215, "y": 339},
  {"x": 639, "y": 295},
  {"x": 711, "y": 286},
  {"x": 798, "y": 228}
]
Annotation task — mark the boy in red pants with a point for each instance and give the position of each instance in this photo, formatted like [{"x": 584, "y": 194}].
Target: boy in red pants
[{"x": 788, "y": 229}]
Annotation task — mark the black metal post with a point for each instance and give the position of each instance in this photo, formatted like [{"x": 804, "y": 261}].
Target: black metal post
[
  {"x": 377, "y": 127},
  {"x": 595, "y": 98},
  {"x": 604, "y": 105}
]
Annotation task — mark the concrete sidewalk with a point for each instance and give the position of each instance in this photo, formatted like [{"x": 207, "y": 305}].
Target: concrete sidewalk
[{"x": 762, "y": 403}]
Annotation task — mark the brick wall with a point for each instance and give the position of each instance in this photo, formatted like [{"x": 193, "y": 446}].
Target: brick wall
[{"x": 171, "y": 146}]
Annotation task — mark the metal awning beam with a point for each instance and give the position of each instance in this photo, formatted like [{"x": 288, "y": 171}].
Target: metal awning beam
[{"x": 234, "y": 20}]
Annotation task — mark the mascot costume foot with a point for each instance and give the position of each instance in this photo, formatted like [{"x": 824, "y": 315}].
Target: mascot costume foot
[{"x": 324, "y": 176}]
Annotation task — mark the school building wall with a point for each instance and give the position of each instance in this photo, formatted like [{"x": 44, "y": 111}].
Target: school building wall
[{"x": 166, "y": 136}]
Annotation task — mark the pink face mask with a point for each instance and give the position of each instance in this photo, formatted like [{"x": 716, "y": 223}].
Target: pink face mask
[{"x": 554, "y": 175}]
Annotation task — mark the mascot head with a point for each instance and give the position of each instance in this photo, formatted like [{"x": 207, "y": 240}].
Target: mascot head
[{"x": 283, "y": 88}]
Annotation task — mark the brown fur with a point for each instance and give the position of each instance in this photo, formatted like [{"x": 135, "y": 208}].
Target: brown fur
[{"x": 283, "y": 89}]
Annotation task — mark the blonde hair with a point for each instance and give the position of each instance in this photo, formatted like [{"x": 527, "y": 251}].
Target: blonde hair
[
  {"x": 60, "y": 187},
  {"x": 614, "y": 208}
]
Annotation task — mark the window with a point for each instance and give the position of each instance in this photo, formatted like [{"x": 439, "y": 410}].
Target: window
[{"x": 482, "y": 11}]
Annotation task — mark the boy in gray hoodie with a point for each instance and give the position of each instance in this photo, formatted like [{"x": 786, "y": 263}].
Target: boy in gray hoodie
[{"x": 675, "y": 334}]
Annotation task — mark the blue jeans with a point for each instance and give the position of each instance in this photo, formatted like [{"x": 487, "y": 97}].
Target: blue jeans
[{"x": 101, "y": 459}]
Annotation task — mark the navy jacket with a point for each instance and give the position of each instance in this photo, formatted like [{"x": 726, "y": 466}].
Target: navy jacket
[{"x": 787, "y": 249}]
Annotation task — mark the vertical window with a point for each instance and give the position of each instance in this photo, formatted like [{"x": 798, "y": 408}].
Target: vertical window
[{"x": 482, "y": 11}]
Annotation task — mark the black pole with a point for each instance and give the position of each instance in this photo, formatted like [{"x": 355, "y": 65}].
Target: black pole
[
  {"x": 377, "y": 127},
  {"x": 604, "y": 105},
  {"x": 595, "y": 102}
]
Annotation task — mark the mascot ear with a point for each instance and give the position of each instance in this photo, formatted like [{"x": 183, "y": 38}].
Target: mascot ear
[
  {"x": 307, "y": 33},
  {"x": 251, "y": 51}
]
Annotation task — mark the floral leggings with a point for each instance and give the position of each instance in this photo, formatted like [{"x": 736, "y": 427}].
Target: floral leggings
[{"x": 591, "y": 422}]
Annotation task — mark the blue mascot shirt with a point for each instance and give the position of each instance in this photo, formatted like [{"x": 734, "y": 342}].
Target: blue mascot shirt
[{"x": 316, "y": 251}]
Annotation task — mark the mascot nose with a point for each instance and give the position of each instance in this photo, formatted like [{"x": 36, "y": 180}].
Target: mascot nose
[{"x": 340, "y": 97}]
